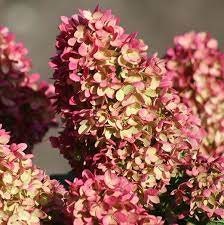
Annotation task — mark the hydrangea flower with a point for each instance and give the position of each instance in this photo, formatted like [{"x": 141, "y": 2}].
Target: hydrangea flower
[
  {"x": 196, "y": 68},
  {"x": 26, "y": 107},
  {"x": 114, "y": 100},
  {"x": 200, "y": 194},
  {"x": 27, "y": 195},
  {"x": 105, "y": 199},
  {"x": 14, "y": 62}
]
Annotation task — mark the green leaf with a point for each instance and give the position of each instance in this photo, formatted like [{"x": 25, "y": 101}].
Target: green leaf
[{"x": 214, "y": 222}]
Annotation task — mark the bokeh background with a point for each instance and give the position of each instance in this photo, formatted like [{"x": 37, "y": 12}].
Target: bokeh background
[{"x": 157, "y": 21}]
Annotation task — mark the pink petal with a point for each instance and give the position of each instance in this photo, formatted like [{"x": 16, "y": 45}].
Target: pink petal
[
  {"x": 110, "y": 179},
  {"x": 83, "y": 49},
  {"x": 74, "y": 77}
]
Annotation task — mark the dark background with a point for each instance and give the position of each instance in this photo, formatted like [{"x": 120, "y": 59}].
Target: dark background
[{"x": 35, "y": 23}]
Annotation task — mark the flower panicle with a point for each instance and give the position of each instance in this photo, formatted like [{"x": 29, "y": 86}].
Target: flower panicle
[{"x": 27, "y": 195}]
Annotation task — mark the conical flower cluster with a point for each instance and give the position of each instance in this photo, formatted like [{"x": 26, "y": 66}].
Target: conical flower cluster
[
  {"x": 26, "y": 107},
  {"x": 196, "y": 68},
  {"x": 115, "y": 102}
]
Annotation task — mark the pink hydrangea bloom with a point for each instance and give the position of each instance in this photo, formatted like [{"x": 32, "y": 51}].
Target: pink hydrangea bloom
[
  {"x": 196, "y": 68},
  {"x": 27, "y": 195},
  {"x": 202, "y": 189},
  {"x": 14, "y": 62},
  {"x": 26, "y": 107},
  {"x": 105, "y": 200},
  {"x": 113, "y": 100}
]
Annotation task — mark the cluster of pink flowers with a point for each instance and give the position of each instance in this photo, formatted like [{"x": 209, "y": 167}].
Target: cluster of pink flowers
[
  {"x": 131, "y": 128},
  {"x": 106, "y": 199},
  {"x": 113, "y": 100},
  {"x": 26, "y": 107},
  {"x": 203, "y": 189},
  {"x": 196, "y": 68},
  {"x": 27, "y": 195},
  {"x": 13, "y": 57}
]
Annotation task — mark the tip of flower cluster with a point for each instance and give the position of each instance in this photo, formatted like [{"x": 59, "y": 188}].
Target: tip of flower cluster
[{"x": 14, "y": 60}]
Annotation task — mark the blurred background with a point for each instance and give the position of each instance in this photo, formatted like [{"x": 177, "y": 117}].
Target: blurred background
[{"x": 35, "y": 23}]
